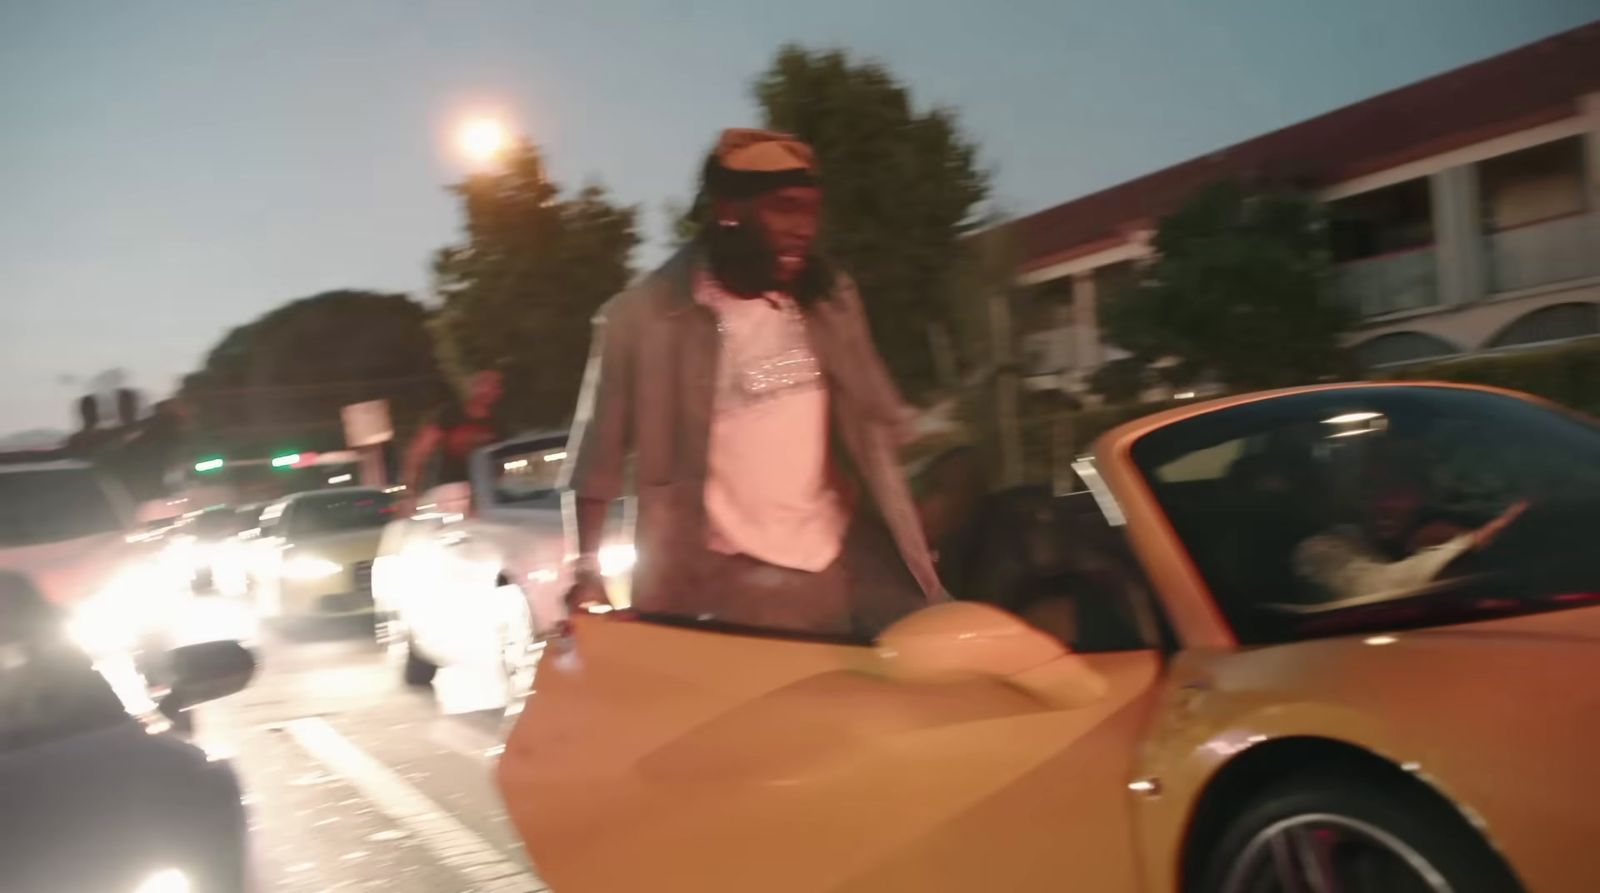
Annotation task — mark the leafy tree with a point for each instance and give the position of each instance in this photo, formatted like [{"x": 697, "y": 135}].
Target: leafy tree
[
  {"x": 1239, "y": 291},
  {"x": 520, "y": 290},
  {"x": 279, "y": 382},
  {"x": 902, "y": 187},
  {"x": 1121, "y": 380}
]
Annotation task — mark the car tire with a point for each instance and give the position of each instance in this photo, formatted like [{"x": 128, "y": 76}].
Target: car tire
[
  {"x": 418, "y": 672},
  {"x": 1383, "y": 836}
]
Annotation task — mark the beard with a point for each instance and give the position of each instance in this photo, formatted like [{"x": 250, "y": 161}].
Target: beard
[{"x": 744, "y": 264}]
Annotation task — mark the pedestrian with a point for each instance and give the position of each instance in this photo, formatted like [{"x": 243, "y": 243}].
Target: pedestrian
[
  {"x": 86, "y": 442},
  {"x": 740, "y": 385},
  {"x": 441, "y": 448}
]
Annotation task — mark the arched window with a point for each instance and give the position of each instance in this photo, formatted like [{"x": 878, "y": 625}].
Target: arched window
[
  {"x": 1402, "y": 347},
  {"x": 1550, "y": 324}
]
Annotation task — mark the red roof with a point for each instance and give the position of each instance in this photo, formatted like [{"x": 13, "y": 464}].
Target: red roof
[{"x": 1528, "y": 86}]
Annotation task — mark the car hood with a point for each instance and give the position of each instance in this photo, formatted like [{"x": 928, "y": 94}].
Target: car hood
[
  {"x": 68, "y": 571},
  {"x": 346, "y": 547}
]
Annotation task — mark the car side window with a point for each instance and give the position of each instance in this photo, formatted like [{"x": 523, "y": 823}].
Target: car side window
[
  {"x": 1056, "y": 563},
  {"x": 1366, "y": 508}
]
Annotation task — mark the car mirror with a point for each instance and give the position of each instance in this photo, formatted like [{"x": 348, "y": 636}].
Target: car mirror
[
  {"x": 958, "y": 640},
  {"x": 209, "y": 670}
]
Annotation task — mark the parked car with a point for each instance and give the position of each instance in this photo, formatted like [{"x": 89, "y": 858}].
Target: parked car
[
  {"x": 1332, "y": 638},
  {"x": 100, "y": 793},
  {"x": 474, "y": 577},
  {"x": 311, "y": 554}
]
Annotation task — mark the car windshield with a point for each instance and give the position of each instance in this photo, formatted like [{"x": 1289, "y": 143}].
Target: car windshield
[
  {"x": 1363, "y": 509},
  {"x": 337, "y": 513},
  {"x": 527, "y": 472},
  {"x": 51, "y": 505}
]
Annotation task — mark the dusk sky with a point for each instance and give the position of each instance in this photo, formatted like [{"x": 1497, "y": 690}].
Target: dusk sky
[{"x": 171, "y": 170}]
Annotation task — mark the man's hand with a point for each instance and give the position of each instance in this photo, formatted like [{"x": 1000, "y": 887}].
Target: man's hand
[
  {"x": 588, "y": 590},
  {"x": 1486, "y": 534}
]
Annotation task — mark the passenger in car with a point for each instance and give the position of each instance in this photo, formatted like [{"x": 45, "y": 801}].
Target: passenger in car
[{"x": 1394, "y": 547}]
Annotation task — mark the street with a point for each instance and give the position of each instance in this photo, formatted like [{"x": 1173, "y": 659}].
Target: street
[{"x": 354, "y": 782}]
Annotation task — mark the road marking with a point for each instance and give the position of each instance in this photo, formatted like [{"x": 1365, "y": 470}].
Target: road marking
[
  {"x": 451, "y": 842},
  {"x": 467, "y": 742}
]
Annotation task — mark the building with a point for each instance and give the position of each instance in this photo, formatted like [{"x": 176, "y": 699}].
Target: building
[{"x": 1464, "y": 215}]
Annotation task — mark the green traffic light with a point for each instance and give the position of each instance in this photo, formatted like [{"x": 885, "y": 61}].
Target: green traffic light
[
  {"x": 286, "y": 461},
  {"x": 208, "y": 465}
]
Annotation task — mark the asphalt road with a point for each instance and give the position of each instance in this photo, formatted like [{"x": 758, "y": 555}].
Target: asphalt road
[{"x": 354, "y": 782}]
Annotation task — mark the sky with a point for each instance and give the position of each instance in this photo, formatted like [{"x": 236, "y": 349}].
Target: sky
[{"x": 170, "y": 170}]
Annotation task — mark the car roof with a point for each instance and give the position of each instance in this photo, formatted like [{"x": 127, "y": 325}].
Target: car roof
[
  {"x": 333, "y": 491},
  {"x": 1138, "y": 427},
  {"x": 10, "y": 467}
]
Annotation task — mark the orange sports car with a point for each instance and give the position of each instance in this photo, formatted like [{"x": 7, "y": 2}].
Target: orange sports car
[{"x": 1341, "y": 638}]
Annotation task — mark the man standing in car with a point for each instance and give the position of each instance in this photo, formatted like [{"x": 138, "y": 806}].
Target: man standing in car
[
  {"x": 439, "y": 452},
  {"x": 727, "y": 377}
]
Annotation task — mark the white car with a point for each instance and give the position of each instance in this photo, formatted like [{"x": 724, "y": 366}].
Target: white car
[
  {"x": 475, "y": 577},
  {"x": 66, "y": 528},
  {"x": 312, "y": 554}
]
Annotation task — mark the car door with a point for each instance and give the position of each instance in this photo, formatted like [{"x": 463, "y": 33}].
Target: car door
[{"x": 670, "y": 757}]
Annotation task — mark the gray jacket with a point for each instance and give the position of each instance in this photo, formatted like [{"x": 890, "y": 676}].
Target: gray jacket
[{"x": 645, "y": 407}]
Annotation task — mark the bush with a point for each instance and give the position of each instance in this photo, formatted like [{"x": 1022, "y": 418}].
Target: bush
[{"x": 1569, "y": 375}]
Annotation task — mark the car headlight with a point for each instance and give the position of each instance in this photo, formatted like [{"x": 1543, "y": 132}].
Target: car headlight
[
  {"x": 310, "y": 567},
  {"x": 167, "y": 880},
  {"x": 616, "y": 559},
  {"x": 138, "y": 601}
]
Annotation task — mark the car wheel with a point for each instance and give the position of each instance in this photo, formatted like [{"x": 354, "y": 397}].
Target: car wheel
[
  {"x": 418, "y": 672},
  {"x": 1352, "y": 836},
  {"x": 395, "y": 640}
]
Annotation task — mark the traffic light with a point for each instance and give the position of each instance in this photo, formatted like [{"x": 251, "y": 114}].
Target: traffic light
[
  {"x": 287, "y": 460},
  {"x": 206, "y": 466}
]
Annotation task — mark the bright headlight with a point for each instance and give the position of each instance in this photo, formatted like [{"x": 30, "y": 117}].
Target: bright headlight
[
  {"x": 616, "y": 559},
  {"x": 167, "y": 880},
  {"x": 310, "y": 567}
]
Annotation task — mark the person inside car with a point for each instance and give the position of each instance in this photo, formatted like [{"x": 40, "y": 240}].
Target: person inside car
[{"x": 1395, "y": 547}]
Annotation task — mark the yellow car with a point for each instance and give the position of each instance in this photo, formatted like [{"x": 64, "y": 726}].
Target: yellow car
[{"x": 1341, "y": 638}]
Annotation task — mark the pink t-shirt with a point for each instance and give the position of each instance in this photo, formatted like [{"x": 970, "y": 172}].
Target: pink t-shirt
[{"x": 769, "y": 493}]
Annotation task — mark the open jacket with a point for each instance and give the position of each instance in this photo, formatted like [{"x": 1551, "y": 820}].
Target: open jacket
[{"x": 646, "y": 405}]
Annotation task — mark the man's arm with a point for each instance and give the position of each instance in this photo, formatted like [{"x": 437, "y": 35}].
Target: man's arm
[
  {"x": 597, "y": 449},
  {"x": 423, "y": 445},
  {"x": 1347, "y": 572},
  {"x": 882, "y": 394}
]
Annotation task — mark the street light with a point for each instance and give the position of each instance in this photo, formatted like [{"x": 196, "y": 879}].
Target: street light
[{"x": 483, "y": 140}]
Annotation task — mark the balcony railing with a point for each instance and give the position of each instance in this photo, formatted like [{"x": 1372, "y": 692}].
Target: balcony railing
[
  {"x": 1543, "y": 253},
  {"x": 1389, "y": 283}
]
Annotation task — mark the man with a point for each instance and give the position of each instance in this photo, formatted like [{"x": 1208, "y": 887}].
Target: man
[
  {"x": 454, "y": 431},
  {"x": 727, "y": 378},
  {"x": 1395, "y": 548},
  {"x": 90, "y": 437}
]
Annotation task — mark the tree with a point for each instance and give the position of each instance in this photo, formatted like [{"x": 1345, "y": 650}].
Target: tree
[
  {"x": 519, "y": 292},
  {"x": 902, "y": 187},
  {"x": 279, "y": 382},
  {"x": 1239, "y": 291}
]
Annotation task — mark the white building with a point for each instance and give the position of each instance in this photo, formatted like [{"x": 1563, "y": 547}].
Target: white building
[{"x": 1464, "y": 212}]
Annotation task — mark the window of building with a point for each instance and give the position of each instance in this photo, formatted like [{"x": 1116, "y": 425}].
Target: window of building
[
  {"x": 1551, "y": 324},
  {"x": 1402, "y": 347},
  {"x": 1533, "y": 185},
  {"x": 1394, "y": 218}
]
